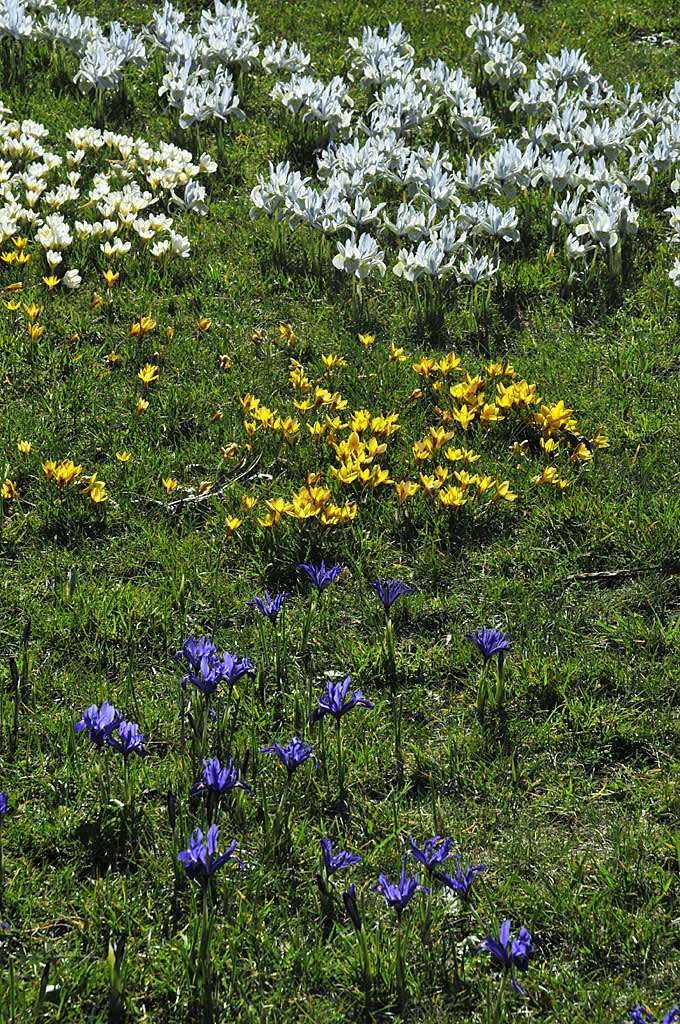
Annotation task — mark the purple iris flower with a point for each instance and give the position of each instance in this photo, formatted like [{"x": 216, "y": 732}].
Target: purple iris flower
[
  {"x": 194, "y": 650},
  {"x": 434, "y": 852},
  {"x": 509, "y": 954},
  {"x": 99, "y": 722},
  {"x": 218, "y": 779},
  {"x": 320, "y": 576},
  {"x": 130, "y": 740},
  {"x": 490, "y": 642},
  {"x": 641, "y": 1015},
  {"x": 210, "y": 671},
  {"x": 201, "y": 859},
  {"x": 3, "y": 804},
  {"x": 3, "y": 924},
  {"x": 461, "y": 882},
  {"x": 295, "y": 753},
  {"x": 269, "y": 606},
  {"x": 339, "y": 861},
  {"x": 338, "y": 700},
  {"x": 389, "y": 590},
  {"x": 401, "y": 894}
]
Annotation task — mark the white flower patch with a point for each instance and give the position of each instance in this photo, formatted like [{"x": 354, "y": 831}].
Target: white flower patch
[{"x": 106, "y": 211}]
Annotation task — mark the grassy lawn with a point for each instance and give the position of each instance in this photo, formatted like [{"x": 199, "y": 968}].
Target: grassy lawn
[{"x": 273, "y": 376}]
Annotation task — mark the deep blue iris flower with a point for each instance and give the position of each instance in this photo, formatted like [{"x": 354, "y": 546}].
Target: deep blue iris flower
[
  {"x": 201, "y": 859},
  {"x": 509, "y": 954},
  {"x": 389, "y": 590},
  {"x": 269, "y": 606},
  {"x": 434, "y": 852},
  {"x": 129, "y": 741},
  {"x": 338, "y": 700},
  {"x": 641, "y": 1015},
  {"x": 320, "y": 576},
  {"x": 338, "y": 861},
  {"x": 295, "y": 753},
  {"x": 401, "y": 894},
  {"x": 193, "y": 650},
  {"x": 461, "y": 882},
  {"x": 99, "y": 722},
  {"x": 218, "y": 779},
  {"x": 209, "y": 671},
  {"x": 3, "y": 804},
  {"x": 490, "y": 642}
]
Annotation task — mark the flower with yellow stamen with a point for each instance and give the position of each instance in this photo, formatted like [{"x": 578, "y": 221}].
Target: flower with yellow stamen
[
  {"x": 333, "y": 361},
  {"x": 8, "y": 491},
  {"x": 581, "y": 453},
  {"x": 23, "y": 258},
  {"x": 52, "y": 281},
  {"x": 453, "y": 497},
  {"x": 366, "y": 340},
  {"x": 110, "y": 277},
  {"x": 548, "y": 476},
  {"x": 425, "y": 367},
  {"x": 12, "y": 305},
  {"x": 35, "y": 330},
  {"x": 286, "y": 333},
  {"x": 464, "y": 416},
  {"x": 490, "y": 414},
  {"x": 20, "y": 242},
  {"x": 148, "y": 374},
  {"x": 406, "y": 489},
  {"x": 169, "y": 483},
  {"x": 232, "y": 524},
  {"x": 503, "y": 492},
  {"x": 8, "y": 257}
]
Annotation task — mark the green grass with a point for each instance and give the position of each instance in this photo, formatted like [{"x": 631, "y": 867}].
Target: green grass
[{"x": 571, "y": 801}]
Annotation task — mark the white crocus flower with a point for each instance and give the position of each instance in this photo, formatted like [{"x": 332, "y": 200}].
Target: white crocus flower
[
  {"x": 674, "y": 272},
  {"x": 72, "y": 280}
]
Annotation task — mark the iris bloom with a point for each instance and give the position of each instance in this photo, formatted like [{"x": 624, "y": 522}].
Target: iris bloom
[
  {"x": 269, "y": 606},
  {"x": 320, "y": 576},
  {"x": 490, "y": 642},
  {"x": 3, "y": 804},
  {"x": 389, "y": 590},
  {"x": 338, "y": 861},
  {"x": 295, "y": 753},
  {"x": 99, "y": 722},
  {"x": 510, "y": 954},
  {"x": 201, "y": 859},
  {"x": 461, "y": 882},
  {"x": 338, "y": 700},
  {"x": 130, "y": 740},
  {"x": 218, "y": 779},
  {"x": 641, "y": 1015},
  {"x": 434, "y": 852},
  {"x": 401, "y": 894}
]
